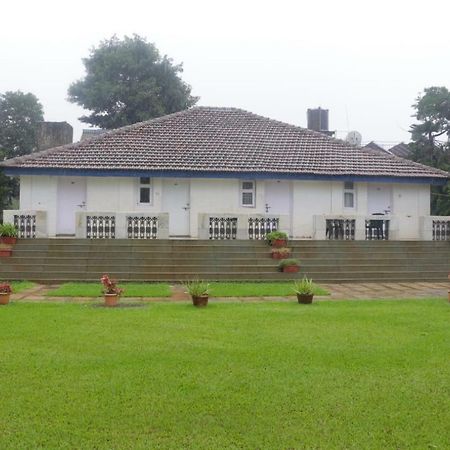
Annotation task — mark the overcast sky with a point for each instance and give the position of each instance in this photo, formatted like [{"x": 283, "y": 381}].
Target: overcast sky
[{"x": 365, "y": 61}]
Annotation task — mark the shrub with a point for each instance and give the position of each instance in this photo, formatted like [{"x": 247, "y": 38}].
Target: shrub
[
  {"x": 272, "y": 236},
  {"x": 197, "y": 288},
  {"x": 8, "y": 230},
  {"x": 304, "y": 286},
  {"x": 288, "y": 262},
  {"x": 110, "y": 286}
]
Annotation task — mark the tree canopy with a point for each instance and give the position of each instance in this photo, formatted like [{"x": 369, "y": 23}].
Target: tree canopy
[
  {"x": 430, "y": 140},
  {"x": 19, "y": 115},
  {"x": 128, "y": 81}
]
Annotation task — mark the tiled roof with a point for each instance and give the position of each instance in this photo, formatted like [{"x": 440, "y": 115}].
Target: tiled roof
[
  {"x": 91, "y": 132},
  {"x": 401, "y": 150},
  {"x": 230, "y": 140}
]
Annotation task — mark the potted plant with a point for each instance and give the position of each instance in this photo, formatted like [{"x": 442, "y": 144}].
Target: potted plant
[
  {"x": 8, "y": 233},
  {"x": 277, "y": 238},
  {"x": 304, "y": 290},
  {"x": 111, "y": 291},
  {"x": 5, "y": 293},
  {"x": 289, "y": 265},
  {"x": 199, "y": 292},
  {"x": 5, "y": 250},
  {"x": 280, "y": 253}
]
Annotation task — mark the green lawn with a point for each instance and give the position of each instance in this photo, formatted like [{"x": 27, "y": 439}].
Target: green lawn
[
  {"x": 95, "y": 290},
  {"x": 256, "y": 289},
  {"x": 331, "y": 375},
  {"x": 19, "y": 286},
  {"x": 163, "y": 290}
]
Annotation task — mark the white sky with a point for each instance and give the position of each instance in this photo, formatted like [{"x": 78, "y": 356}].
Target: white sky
[{"x": 365, "y": 61}]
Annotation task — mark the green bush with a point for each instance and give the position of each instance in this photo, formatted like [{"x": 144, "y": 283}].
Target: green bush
[
  {"x": 304, "y": 286},
  {"x": 197, "y": 288},
  {"x": 288, "y": 262},
  {"x": 272, "y": 236},
  {"x": 8, "y": 230}
]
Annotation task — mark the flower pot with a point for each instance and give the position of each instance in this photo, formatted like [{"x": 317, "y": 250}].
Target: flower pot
[
  {"x": 291, "y": 269},
  {"x": 305, "y": 298},
  {"x": 4, "y": 298},
  {"x": 5, "y": 252},
  {"x": 276, "y": 255},
  {"x": 200, "y": 300},
  {"x": 111, "y": 299},
  {"x": 279, "y": 243},
  {"x": 8, "y": 240}
]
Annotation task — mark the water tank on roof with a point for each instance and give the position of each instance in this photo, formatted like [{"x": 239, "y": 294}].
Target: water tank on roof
[{"x": 318, "y": 119}]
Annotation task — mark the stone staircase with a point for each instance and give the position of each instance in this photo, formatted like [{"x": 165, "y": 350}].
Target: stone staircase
[{"x": 57, "y": 260}]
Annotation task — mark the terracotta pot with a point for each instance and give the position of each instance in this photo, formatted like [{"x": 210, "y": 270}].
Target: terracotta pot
[
  {"x": 291, "y": 269},
  {"x": 305, "y": 298},
  {"x": 276, "y": 255},
  {"x": 5, "y": 252},
  {"x": 4, "y": 298},
  {"x": 8, "y": 240},
  {"x": 111, "y": 299},
  {"x": 279, "y": 243},
  {"x": 200, "y": 300}
]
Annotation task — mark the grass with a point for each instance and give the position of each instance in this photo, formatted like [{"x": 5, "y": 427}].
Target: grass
[
  {"x": 332, "y": 375},
  {"x": 163, "y": 290},
  {"x": 19, "y": 286},
  {"x": 95, "y": 290},
  {"x": 257, "y": 289}
]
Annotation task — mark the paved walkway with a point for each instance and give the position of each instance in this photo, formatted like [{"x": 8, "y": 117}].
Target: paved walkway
[{"x": 344, "y": 291}]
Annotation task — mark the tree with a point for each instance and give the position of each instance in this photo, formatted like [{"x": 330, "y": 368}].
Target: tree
[
  {"x": 128, "y": 81},
  {"x": 19, "y": 114},
  {"x": 431, "y": 140}
]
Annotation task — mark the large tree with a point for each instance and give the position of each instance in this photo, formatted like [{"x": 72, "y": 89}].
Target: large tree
[
  {"x": 19, "y": 115},
  {"x": 430, "y": 140},
  {"x": 128, "y": 81}
]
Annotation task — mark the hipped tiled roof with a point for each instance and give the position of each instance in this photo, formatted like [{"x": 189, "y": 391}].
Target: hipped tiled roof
[{"x": 230, "y": 140}]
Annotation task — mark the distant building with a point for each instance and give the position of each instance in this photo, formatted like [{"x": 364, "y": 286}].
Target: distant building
[
  {"x": 53, "y": 134},
  {"x": 402, "y": 150}
]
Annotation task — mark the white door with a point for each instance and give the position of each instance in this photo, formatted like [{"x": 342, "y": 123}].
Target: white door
[
  {"x": 379, "y": 199},
  {"x": 278, "y": 197},
  {"x": 71, "y": 198},
  {"x": 175, "y": 199}
]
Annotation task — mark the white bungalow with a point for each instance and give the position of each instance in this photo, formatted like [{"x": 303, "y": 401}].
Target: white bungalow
[{"x": 222, "y": 173}]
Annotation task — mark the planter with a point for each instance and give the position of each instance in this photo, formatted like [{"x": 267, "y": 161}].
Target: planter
[
  {"x": 276, "y": 255},
  {"x": 8, "y": 240},
  {"x": 4, "y": 298},
  {"x": 305, "y": 298},
  {"x": 111, "y": 299},
  {"x": 291, "y": 269},
  {"x": 5, "y": 252},
  {"x": 200, "y": 300},
  {"x": 279, "y": 243}
]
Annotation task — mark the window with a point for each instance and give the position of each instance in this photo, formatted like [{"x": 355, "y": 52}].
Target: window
[
  {"x": 145, "y": 190},
  {"x": 248, "y": 193},
  {"x": 349, "y": 194}
]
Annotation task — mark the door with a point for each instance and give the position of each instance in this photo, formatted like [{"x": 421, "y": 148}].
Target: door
[
  {"x": 379, "y": 199},
  {"x": 175, "y": 200},
  {"x": 71, "y": 198},
  {"x": 278, "y": 198}
]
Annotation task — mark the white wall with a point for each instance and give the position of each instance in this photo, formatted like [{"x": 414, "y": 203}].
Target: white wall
[
  {"x": 222, "y": 196},
  {"x": 40, "y": 193}
]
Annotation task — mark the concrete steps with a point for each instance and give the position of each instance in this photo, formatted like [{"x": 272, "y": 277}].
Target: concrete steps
[{"x": 57, "y": 260}]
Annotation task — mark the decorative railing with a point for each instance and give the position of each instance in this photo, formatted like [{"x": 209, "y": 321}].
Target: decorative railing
[
  {"x": 259, "y": 227},
  {"x": 377, "y": 229},
  {"x": 340, "y": 229},
  {"x": 26, "y": 225},
  {"x": 100, "y": 227},
  {"x": 441, "y": 230},
  {"x": 139, "y": 227},
  {"x": 222, "y": 227}
]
